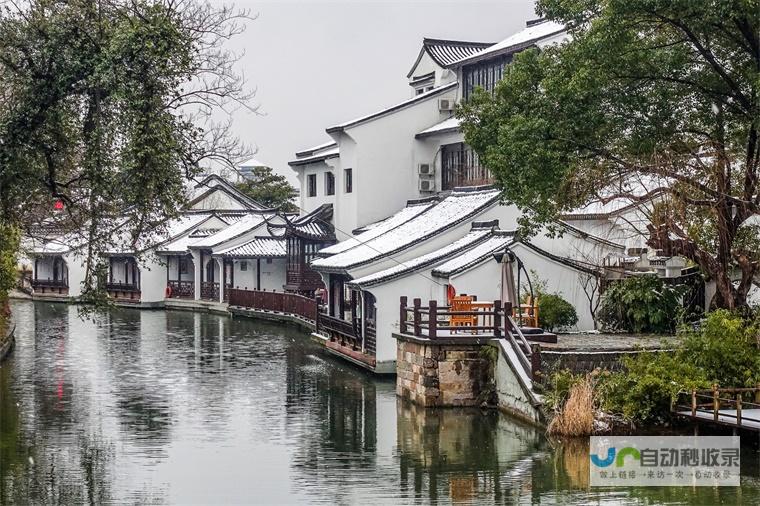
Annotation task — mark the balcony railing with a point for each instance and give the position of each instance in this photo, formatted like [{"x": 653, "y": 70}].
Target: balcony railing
[
  {"x": 209, "y": 290},
  {"x": 122, "y": 287},
  {"x": 485, "y": 321},
  {"x": 460, "y": 166},
  {"x": 50, "y": 286},
  {"x": 280, "y": 302},
  {"x": 123, "y": 292},
  {"x": 182, "y": 289}
]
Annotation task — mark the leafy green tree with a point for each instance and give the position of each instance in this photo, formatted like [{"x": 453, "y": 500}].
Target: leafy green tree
[
  {"x": 653, "y": 102},
  {"x": 641, "y": 304},
  {"x": 270, "y": 189},
  {"x": 107, "y": 106},
  {"x": 555, "y": 313}
]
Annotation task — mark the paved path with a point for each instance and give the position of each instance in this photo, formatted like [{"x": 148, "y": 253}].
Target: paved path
[{"x": 609, "y": 342}]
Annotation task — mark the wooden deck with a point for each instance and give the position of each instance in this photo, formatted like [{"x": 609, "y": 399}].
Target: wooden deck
[
  {"x": 733, "y": 407},
  {"x": 750, "y": 418}
]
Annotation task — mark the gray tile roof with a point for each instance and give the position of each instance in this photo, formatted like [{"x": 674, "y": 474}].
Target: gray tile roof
[{"x": 260, "y": 247}]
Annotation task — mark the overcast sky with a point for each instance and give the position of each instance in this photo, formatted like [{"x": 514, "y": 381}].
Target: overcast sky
[{"x": 315, "y": 63}]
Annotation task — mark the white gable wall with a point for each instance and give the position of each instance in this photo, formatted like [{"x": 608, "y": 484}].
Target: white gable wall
[{"x": 218, "y": 199}]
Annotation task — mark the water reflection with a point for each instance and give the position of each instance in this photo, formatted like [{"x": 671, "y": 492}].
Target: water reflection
[{"x": 177, "y": 407}]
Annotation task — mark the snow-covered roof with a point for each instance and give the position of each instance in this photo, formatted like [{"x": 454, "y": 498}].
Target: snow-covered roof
[
  {"x": 317, "y": 157},
  {"x": 313, "y": 150},
  {"x": 406, "y": 103},
  {"x": 460, "y": 206},
  {"x": 475, "y": 256},
  {"x": 50, "y": 247},
  {"x": 445, "y": 52},
  {"x": 516, "y": 42},
  {"x": 448, "y": 125},
  {"x": 377, "y": 229},
  {"x": 316, "y": 225},
  {"x": 245, "y": 224},
  {"x": 474, "y": 237},
  {"x": 260, "y": 247},
  {"x": 214, "y": 182},
  {"x": 253, "y": 163},
  {"x": 620, "y": 196}
]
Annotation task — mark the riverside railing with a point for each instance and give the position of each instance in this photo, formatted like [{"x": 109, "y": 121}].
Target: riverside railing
[
  {"x": 280, "y": 302},
  {"x": 483, "y": 321},
  {"x": 724, "y": 406}
]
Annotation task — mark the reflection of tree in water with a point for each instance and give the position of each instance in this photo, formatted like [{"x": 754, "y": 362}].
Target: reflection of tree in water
[
  {"x": 462, "y": 454},
  {"x": 334, "y": 408}
]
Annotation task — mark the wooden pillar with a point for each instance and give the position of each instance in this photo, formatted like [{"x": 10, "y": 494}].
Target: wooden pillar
[
  {"x": 417, "y": 303},
  {"x": 258, "y": 273},
  {"x": 36, "y": 264},
  {"x": 716, "y": 402},
  {"x": 497, "y": 309},
  {"x": 402, "y": 315},
  {"x": 433, "y": 319}
]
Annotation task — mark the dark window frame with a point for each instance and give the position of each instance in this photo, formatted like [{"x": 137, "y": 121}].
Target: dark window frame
[
  {"x": 348, "y": 180},
  {"x": 329, "y": 183},
  {"x": 311, "y": 185}
]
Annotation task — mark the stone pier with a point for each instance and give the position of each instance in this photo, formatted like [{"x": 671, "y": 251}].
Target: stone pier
[{"x": 447, "y": 372}]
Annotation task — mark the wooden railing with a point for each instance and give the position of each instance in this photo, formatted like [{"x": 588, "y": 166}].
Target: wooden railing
[
  {"x": 52, "y": 286},
  {"x": 210, "y": 290},
  {"x": 288, "y": 303},
  {"x": 722, "y": 405},
  {"x": 182, "y": 289},
  {"x": 489, "y": 321},
  {"x": 122, "y": 287}
]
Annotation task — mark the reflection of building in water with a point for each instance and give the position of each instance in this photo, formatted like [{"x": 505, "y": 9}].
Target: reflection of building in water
[
  {"x": 465, "y": 454},
  {"x": 345, "y": 424}
]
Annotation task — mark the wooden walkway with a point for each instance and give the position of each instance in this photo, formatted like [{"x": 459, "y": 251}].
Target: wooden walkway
[{"x": 730, "y": 407}]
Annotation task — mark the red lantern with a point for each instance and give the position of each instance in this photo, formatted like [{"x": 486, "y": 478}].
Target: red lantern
[{"x": 58, "y": 205}]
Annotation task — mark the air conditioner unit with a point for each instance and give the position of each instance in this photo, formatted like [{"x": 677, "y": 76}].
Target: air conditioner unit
[
  {"x": 445, "y": 104},
  {"x": 427, "y": 185},
  {"x": 425, "y": 169}
]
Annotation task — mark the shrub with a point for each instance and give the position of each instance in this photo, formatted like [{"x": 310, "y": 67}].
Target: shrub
[
  {"x": 722, "y": 351},
  {"x": 641, "y": 304},
  {"x": 644, "y": 391},
  {"x": 555, "y": 312}
]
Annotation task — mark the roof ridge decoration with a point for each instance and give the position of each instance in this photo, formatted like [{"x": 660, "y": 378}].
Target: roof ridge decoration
[
  {"x": 316, "y": 224},
  {"x": 444, "y": 52}
]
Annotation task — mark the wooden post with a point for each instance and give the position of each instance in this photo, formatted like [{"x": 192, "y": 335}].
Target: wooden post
[
  {"x": 497, "y": 319},
  {"x": 402, "y": 315},
  {"x": 757, "y": 393},
  {"x": 417, "y": 303},
  {"x": 535, "y": 361},
  {"x": 716, "y": 402},
  {"x": 433, "y": 319},
  {"x": 694, "y": 403},
  {"x": 739, "y": 409},
  {"x": 507, "y": 314}
]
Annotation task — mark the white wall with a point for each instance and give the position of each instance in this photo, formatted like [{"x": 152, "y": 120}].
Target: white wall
[
  {"x": 152, "y": 277},
  {"x": 385, "y": 171},
  {"x": 272, "y": 274},
  {"x": 559, "y": 278},
  {"x": 218, "y": 199}
]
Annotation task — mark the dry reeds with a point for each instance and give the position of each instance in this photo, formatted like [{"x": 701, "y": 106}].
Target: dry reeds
[{"x": 576, "y": 417}]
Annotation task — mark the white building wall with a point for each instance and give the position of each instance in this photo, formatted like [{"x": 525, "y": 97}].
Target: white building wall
[
  {"x": 385, "y": 173},
  {"x": 76, "y": 269},
  {"x": 218, "y": 200},
  {"x": 152, "y": 278},
  {"x": 559, "y": 278}
]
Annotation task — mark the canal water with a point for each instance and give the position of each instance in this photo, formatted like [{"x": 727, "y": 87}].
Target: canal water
[{"x": 144, "y": 407}]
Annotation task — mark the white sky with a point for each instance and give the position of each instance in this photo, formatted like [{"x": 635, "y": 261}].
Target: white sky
[{"x": 315, "y": 63}]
